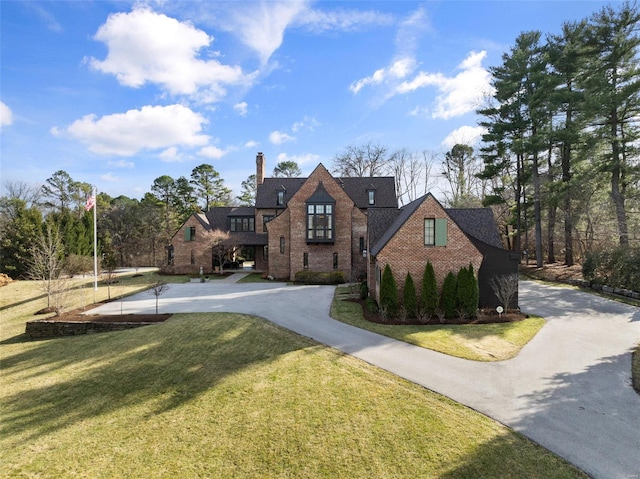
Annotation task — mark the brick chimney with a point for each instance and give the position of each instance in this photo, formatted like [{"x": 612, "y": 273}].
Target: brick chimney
[{"x": 260, "y": 168}]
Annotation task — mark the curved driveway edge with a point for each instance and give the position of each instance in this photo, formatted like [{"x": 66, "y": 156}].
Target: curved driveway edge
[{"x": 569, "y": 389}]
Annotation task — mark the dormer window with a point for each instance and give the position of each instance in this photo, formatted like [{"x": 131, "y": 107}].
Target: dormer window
[
  {"x": 280, "y": 198},
  {"x": 371, "y": 195}
]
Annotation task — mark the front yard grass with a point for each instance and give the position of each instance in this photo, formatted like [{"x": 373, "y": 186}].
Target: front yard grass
[
  {"x": 478, "y": 342},
  {"x": 230, "y": 395}
]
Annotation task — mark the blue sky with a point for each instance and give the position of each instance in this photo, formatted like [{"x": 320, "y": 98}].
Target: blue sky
[{"x": 120, "y": 93}]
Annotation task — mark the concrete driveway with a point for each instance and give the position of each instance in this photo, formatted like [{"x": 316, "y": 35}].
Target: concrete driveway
[{"x": 569, "y": 389}]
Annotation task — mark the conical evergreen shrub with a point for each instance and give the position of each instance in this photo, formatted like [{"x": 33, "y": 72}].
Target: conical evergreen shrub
[
  {"x": 467, "y": 292},
  {"x": 409, "y": 299},
  {"x": 389, "y": 293},
  {"x": 429, "y": 295},
  {"x": 449, "y": 299}
]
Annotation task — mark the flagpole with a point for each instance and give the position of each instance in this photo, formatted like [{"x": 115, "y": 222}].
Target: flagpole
[{"x": 95, "y": 241}]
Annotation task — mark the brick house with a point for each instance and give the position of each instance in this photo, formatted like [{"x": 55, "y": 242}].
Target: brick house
[{"x": 353, "y": 225}]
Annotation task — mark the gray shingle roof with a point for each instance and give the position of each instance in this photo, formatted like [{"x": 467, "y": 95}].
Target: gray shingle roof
[
  {"x": 356, "y": 188},
  {"x": 478, "y": 223},
  {"x": 393, "y": 223}
]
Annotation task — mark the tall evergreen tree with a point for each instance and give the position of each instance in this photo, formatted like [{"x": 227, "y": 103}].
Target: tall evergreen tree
[
  {"x": 209, "y": 188},
  {"x": 287, "y": 169},
  {"x": 248, "y": 193},
  {"x": 611, "y": 78}
]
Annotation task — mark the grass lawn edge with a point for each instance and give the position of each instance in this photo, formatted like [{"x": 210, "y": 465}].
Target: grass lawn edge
[{"x": 473, "y": 342}]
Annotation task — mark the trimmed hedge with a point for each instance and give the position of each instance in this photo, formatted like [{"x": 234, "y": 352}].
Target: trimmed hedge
[{"x": 320, "y": 277}]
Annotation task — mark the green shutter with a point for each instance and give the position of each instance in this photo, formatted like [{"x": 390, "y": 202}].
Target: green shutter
[
  {"x": 187, "y": 234},
  {"x": 441, "y": 232}
]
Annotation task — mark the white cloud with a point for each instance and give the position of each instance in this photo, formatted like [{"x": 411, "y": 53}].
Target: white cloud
[
  {"x": 241, "y": 108},
  {"x": 109, "y": 178},
  {"x": 262, "y": 27},
  {"x": 319, "y": 21},
  {"x": 145, "y": 46},
  {"x": 459, "y": 94},
  {"x": 171, "y": 155},
  {"x": 120, "y": 164},
  {"x": 398, "y": 70},
  {"x": 150, "y": 128},
  {"x": 212, "y": 152},
  {"x": 309, "y": 158},
  {"x": 6, "y": 115},
  {"x": 251, "y": 144},
  {"x": 465, "y": 135},
  {"x": 307, "y": 123},
  {"x": 279, "y": 137},
  {"x": 464, "y": 92}
]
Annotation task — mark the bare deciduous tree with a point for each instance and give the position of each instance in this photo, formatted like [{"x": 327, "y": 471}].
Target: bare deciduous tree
[
  {"x": 46, "y": 266},
  {"x": 218, "y": 240},
  {"x": 505, "y": 288},
  {"x": 362, "y": 161},
  {"x": 157, "y": 289},
  {"x": 412, "y": 174}
]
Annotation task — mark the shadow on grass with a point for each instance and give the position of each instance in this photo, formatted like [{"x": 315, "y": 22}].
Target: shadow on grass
[
  {"x": 496, "y": 458},
  {"x": 57, "y": 383}
]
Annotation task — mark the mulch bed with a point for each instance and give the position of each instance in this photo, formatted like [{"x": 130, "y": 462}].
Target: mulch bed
[
  {"x": 77, "y": 316},
  {"x": 483, "y": 318}
]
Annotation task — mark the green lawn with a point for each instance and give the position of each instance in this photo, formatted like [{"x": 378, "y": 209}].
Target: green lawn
[
  {"x": 229, "y": 395},
  {"x": 479, "y": 342}
]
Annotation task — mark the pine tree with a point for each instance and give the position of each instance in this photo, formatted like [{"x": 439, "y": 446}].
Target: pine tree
[
  {"x": 409, "y": 299},
  {"x": 429, "y": 294},
  {"x": 388, "y": 292}
]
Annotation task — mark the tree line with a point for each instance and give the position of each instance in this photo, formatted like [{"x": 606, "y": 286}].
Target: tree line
[{"x": 558, "y": 163}]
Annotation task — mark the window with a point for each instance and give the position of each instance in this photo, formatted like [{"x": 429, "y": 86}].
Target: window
[
  {"x": 280, "y": 200},
  {"x": 320, "y": 223},
  {"x": 265, "y": 220},
  {"x": 190, "y": 233},
  {"x": 305, "y": 261},
  {"x": 361, "y": 246},
  {"x": 242, "y": 223},
  {"x": 265, "y": 252},
  {"x": 435, "y": 232},
  {"x": 281, "y": 244},
  {"x": 335, "y": 260},
  {"x": 193, "y": 258},
  {"x": 430, "y": 231},
  {"x": 371, "y": 194}
]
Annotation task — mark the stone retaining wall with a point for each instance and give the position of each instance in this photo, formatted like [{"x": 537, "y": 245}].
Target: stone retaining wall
[{"x": 48, "y": 329}]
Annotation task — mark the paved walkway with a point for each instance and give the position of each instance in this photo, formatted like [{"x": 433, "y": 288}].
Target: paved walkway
[{"x": 569, "y": 389}]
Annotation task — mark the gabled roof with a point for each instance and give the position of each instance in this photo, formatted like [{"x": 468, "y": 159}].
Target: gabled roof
[
  {"x": 266, "y": 193},
  {"x": 321, "y": 195},
  {"x": 477, "y": 223},
  {"x": 356, "y": 188},
  {"x": 394, "y": 222}
]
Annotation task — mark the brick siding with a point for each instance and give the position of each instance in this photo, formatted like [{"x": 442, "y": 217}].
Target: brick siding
[{"x": 406, "y": 251}]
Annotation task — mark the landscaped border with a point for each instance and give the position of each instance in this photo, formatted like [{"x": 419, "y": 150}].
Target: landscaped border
[{"x": 477, "y": 342}]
